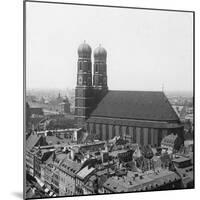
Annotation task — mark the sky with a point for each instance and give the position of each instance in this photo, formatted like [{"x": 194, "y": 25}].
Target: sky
[{"x": 146, "y": 49}]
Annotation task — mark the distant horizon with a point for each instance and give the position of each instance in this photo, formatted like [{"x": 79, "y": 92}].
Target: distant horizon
[{"x": 63, "y": 89}]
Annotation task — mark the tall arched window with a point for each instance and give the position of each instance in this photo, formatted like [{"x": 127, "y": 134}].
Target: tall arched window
[
  {"x": 80, "y": 66},
  {"x": 95, "y": 68}
]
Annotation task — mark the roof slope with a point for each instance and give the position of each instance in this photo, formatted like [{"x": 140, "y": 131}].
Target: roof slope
[
  {"x": 32, "y": 141},
  {"x": 83, "y": 173},
  {"x": 70, "y": 166},
  {"x": 140, "y": 105},
  {"x": 36, "y": 111}
]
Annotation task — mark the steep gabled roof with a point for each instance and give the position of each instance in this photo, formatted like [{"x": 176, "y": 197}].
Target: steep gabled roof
[
  {"x": 169, "y": 140},
  {"x": 70, "y": 166},
  {"x": 138, "y": 105},
  {"x": 33, "y": 140},
  {"x": 85, "y": 172},
  {"x": 36, "y": 111}
]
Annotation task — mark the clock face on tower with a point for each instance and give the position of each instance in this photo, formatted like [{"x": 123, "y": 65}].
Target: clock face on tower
[{"x": 80, "y": 80}]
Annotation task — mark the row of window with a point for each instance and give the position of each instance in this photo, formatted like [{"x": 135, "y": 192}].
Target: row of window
[
  {"x": 98, "y": 80},
  {"x": 137, "y": 134},
  {"x": 84, "y": 80},
  {"x": 100, "y": 68},
  {"x": 85, "y": 66}
]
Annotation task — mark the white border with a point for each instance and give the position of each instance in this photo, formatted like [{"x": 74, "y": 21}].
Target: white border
[{"x": 12, "y": 97}]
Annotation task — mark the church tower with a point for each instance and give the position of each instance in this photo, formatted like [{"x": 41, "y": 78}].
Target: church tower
[
  {"x": 84, "y": 92},
  {"x": 100, "y": 73}
]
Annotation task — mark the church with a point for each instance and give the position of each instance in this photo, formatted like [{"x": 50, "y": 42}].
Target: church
[{"x": 142, "y": 117}]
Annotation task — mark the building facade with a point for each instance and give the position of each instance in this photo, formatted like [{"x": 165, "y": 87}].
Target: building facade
[
  {"x": 144, "y": 117},
  {"x": 68, "y": 170},
  {"x": 84, "y": 91}
]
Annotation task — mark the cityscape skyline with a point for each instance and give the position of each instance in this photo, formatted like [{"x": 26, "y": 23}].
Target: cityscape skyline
[
  {"x": 111, "y": 109},
  {"x": 73, "y": 88}
]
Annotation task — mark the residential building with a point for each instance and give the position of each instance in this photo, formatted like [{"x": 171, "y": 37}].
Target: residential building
[
  {"x": 184, "y": 168},
  {"x": 133, "y": 181},
  {"x": 67, "y": 172},
  {"x": 40, "y": 157},
  {"x": 82, "y": 177},
  {"x": 33, "y": 140},
  {"x": 171, "y": 143}
]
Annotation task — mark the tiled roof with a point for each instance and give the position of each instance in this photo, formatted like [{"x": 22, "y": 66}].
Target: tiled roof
[
  {"x": 70, "y": 166},
  {"x": 85, "y": 172},
  {"x": 59, "y": 158},
  {"x": 36, "y": 120},
  {"x": 181, "y": 159},
  {"x": 104, "y": 171},
  {"x": 169, "y": 140},
  {"x": 55, "y": 140},
  {"x": 187, "y": 174},
  {"x": 37, "y": 111},
  {"x": 44, "y": 154},
  {"x": 139, "y": 105},
  {"x": 32, "y": 141},
  {"x": 148, "y": 182}
]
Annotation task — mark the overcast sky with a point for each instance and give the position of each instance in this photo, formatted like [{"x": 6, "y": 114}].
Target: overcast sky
[{"x": 146, "y": 49}]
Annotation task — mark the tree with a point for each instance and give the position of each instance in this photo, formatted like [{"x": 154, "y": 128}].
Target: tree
[
  {"x": 165, "y": 159},
  {"x": 147, "y": 152},
  {"x": 158, "y": 150},
  {"x": 139, "y": 162}
]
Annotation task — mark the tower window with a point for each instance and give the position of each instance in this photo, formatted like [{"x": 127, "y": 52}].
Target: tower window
[
  {"x": 86, "y": 67},
  {"x": 80, "y": 66},
  {"x": 80, "y": 80},
  {"x": 96, "y": 80},
  {"x": 96, "y": 68}
]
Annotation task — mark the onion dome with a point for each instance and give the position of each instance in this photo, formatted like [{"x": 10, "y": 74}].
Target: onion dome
[
  {"x": 100, "y": 53},
  {"x": 84, "y": 50}
]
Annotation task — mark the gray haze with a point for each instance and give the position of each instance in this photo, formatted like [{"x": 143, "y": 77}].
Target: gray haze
[{"x": 146, "y": 49}]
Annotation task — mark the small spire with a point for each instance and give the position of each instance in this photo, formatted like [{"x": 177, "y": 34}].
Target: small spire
[{"x": 84, "y": 41}]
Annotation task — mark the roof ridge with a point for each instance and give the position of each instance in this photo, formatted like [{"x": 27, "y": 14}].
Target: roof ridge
[{"x": 149, "y": 105}]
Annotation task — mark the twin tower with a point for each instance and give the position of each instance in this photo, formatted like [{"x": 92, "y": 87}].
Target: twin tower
[{"x": 89, "y": 90}]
